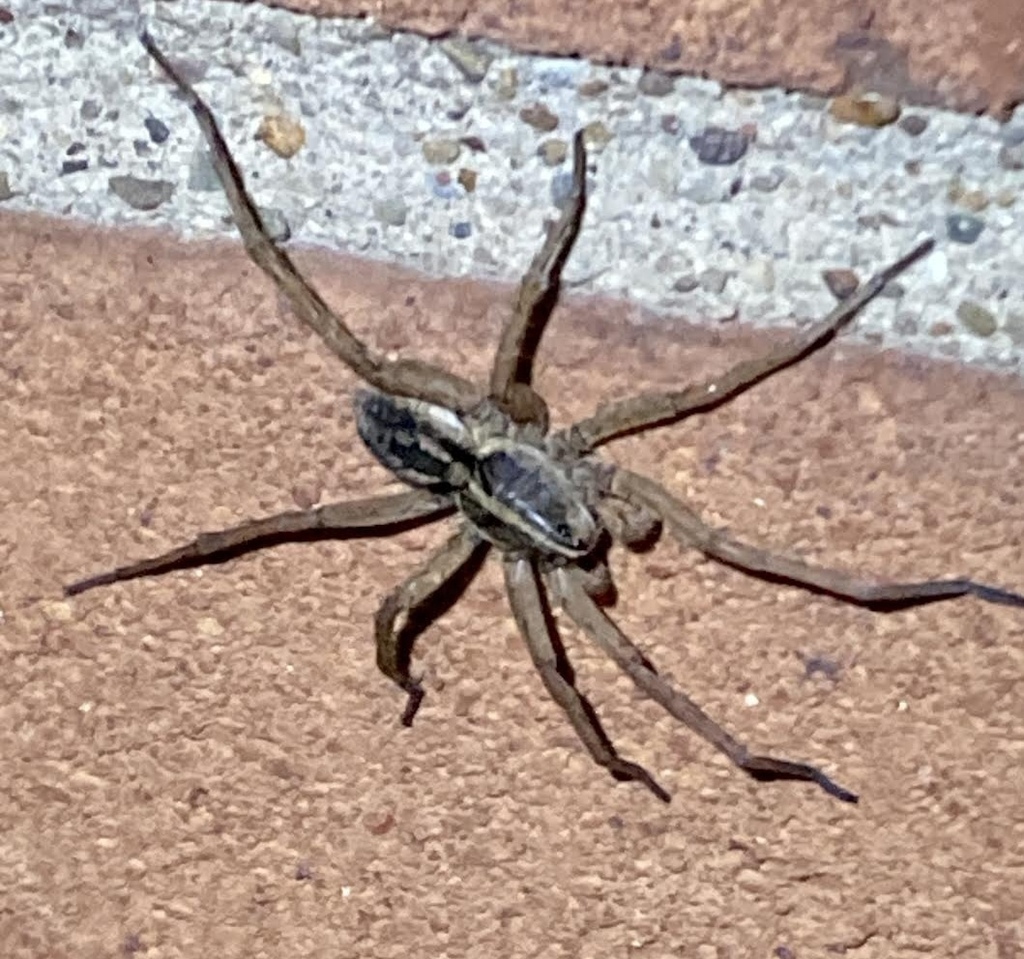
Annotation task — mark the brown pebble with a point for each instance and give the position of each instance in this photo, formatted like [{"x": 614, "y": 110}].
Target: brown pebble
[
  {"x": 539, "y": 117},
  {"x": 283, "y": 134},
  {"x": 843, "y": 283},
  {"x": 865, "y": 109}
]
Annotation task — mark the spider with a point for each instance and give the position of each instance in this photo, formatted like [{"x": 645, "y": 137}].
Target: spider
[{"x": 542, "y": 501}]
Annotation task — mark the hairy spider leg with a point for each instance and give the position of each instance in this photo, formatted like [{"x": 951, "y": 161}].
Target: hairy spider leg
[
  {"x": 533, "y": 617},
  {"x": 394, "y": 626},
  {"x": 373, "y": 516},
  {"x": 571, "y": 592},
  {"x": 403, "y": 377},
  {"x": 687, "y": 527},
  {"x": 638, "y": 413},
  {"x": 512, "y": 371}
]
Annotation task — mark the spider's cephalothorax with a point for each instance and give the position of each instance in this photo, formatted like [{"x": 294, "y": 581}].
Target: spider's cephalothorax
[
  {"x": 509, "y": 486},
  {"x": 546, "y": 504}
]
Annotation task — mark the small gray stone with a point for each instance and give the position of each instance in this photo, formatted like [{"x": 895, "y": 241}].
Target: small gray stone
[
  {"x": 654, "y": 83},
  {"x": 963, "y": 228},
  {"x": 141, "y": 194},
  {"x": 391, "y": 211},
  {"x": 471, "y": 61},
  {"x": 553, "y": 152},
  {"x": 74, "y": 166},
  {"x": 670, "y": 124},
  {"x": 768, "y": 182},
  {"x": 976, "y": 318},
  {"x": 440, "y": 151},
  {"x": 592, "y": 87},
  {"x": 913, "y": 124},
  {"x": 5, "y": 187},
  {"x": 458, "y": 110},
  {"x": 90, "y": 110},
  {"x": 685, "y": 283},
  {"x": 1011, "y": 156},
  {"x": 461, "y": 230},
  {"x": 717, "y": 146},
  {"x": 156, "y": 129},
  {"x": 538, "y": 116},
  {"x": 713, "y": 280}
]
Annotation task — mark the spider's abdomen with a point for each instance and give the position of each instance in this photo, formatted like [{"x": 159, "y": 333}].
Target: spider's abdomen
[
  {"x": 522, "y": 501},
  {"x": 422, "y": 444}
]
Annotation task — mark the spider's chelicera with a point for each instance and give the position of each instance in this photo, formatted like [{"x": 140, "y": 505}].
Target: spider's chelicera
[{"x": 543, "y": 501}]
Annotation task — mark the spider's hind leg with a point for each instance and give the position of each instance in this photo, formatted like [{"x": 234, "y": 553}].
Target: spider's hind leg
[
  {"x": 880, "y": 594},
  {"x": 572, "y": 595},
  {"x": 410, "y": 607}
]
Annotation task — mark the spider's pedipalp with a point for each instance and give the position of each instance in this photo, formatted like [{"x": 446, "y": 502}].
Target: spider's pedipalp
[
  {"x": 413, "y": 378},
  {"x": 631, "y": 523},
  {"x": 375, "y": 515},
  {"x": 647, "y": 410},
  {"x": 571, "y": 594},
  {"x": 400, "y": 617},
  {"x": 687, "y": 527},
  {"x": 533, "y": 617}
]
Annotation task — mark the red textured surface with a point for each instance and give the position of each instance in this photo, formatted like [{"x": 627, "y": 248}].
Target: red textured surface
[
  {"x": 176, "y": 752},
  {"x": 967, "y": 55}
]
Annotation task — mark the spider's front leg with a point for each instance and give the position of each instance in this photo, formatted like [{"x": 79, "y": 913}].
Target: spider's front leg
[
  {"x": 638, "y": 413},
  {"x": 411, "y": 378},
  {"x": 410, "y": 607},
  {"x": 512, "y": 372}
]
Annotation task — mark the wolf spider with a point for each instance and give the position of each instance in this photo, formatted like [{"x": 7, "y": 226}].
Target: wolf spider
[{"x": 548, "y": 506}]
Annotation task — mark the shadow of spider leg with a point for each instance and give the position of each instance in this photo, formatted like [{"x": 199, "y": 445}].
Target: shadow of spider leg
[
  {"x": 411, "y": 606},
  {"x": 376, "y": 515},
  {"x": 403, "y": 377},
  {"x": 533, "y": 617},
  {"x": 571, "y": 593},
  {"x": 687, "y": 527},
  {"x": 512, "y": 371},
  {"x": 638, "y": 413}
]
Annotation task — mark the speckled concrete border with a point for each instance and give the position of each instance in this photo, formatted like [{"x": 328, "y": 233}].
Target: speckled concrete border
[{"x": 709, "y": 204}]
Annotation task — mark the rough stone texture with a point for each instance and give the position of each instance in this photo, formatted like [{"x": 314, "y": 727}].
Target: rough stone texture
[
  {"x": 211, "y": 765},
  {"x": 971, "y": 57}
]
